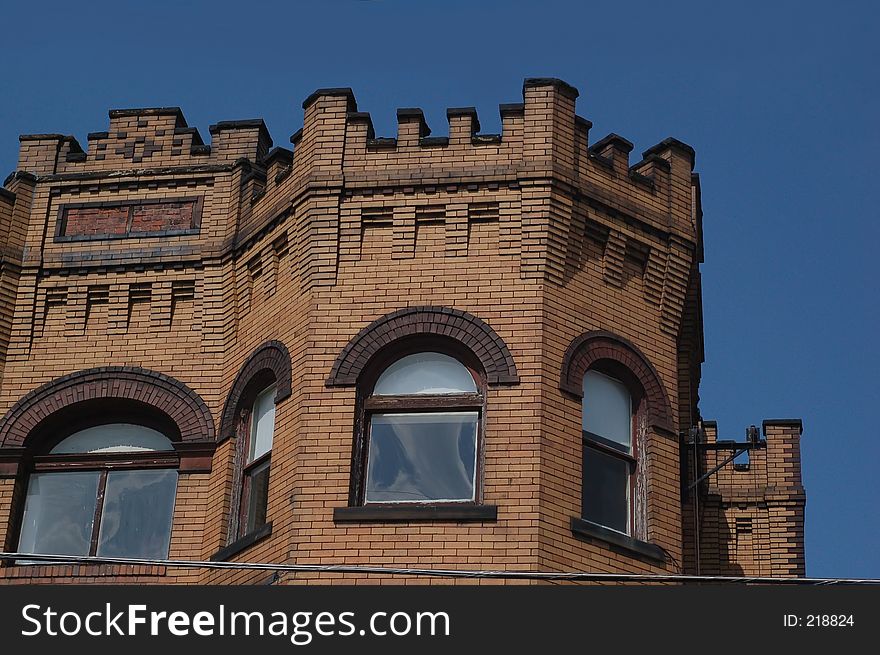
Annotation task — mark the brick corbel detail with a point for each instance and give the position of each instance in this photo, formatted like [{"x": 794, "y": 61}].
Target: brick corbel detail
[
  {"x": 465, "y": 328},
  {"x": 675, "y": 284},
  {"x": 612, "y": 259},
  {"x": 593, "y": 347}
]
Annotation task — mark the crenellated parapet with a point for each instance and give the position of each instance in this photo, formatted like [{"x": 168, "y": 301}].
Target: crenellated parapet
[
  {"x": 150, "y": 194},
  {"x": 143, "y": 139},
  {"x": 543, "y": 151},
  {"x": 751, "y": 511}
]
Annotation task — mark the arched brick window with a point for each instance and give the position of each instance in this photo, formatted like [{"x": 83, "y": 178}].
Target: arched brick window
[
  {"x": 249, "y": 417},
  {"x": 421, "y": 376},
  {"x": 420, "y": 426},
  {"x": 97, "y": 454},
  {"x": 621, "y": 397}
]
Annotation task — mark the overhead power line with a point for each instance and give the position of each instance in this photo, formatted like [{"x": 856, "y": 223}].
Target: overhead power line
[{"x": 573, "y": 576}]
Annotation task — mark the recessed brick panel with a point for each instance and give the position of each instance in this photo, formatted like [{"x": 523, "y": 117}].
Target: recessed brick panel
[
  {"x": 161, "y": 217},
  {"x": 94, "y": 221},
  {"x": 138, "y": 218}
]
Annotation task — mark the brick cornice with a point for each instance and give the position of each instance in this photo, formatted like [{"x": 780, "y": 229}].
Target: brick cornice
[
  {"x": 592, "y": 347},
  {"x": 470, "y": 331},
  {"x": 162, "y": 392}
]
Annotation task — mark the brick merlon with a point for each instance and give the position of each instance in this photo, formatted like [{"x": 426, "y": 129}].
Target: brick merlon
[
  {"x": 563, "y": 87},
  {"x": 19, "y": 175},
  {"x": 784, "y": 422},
  {"x": 585, "y": 122},
  {"x": 511, "y": 109},
  {"x": 615, "y": 140},
  {"x": 278, "y": 154},
  {"x": 151, "y": 111},
  {"x": 248, "y": 124},
  {"x": 407, "y": 114},
  {"x": 42, "y": 137},
  {"x": 75, "y": 147},
  {"x": 345, "y": 92},
  {"x": 452, "y": 112},
  {"x": 196, "y": 136},
  {"x": 362, "y": 117},
  {"x": 672, "y": 143},
  {"x": 654, "y": 159}
]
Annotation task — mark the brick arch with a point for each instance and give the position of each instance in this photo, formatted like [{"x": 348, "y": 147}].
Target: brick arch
[
  {"x": 596, "y": 346},
  {"x": 272, "y": 357},
  {"x": 470, "y": 331},
  {"x": 167, "y": 395}
]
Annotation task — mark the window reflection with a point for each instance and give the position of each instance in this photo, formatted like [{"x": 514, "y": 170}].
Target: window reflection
[
  {"x": 425, "y": 373},
  {"x": 137, "y": 512},
  {"x": 421, "y": 432},
  {"x": 422, "y": 457},
  {"x": 102, "y": 504},
  {"x": 59, "y": 512}
]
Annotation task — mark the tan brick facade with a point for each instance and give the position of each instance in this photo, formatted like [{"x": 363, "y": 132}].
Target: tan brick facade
[{"x": 155, "y": 253}]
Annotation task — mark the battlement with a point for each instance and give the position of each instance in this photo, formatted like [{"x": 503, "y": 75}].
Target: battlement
[
  {"x": 149, "y": 247},
  {"x": 152, "y": 175},
  {"x": 150, "y": 137},
  {"x": 750, "y": 514},
  {"x": 541, "y": 137},
  {"x": 773, "y": 465}
]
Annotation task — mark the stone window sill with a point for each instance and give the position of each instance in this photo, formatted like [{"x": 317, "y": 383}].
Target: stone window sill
[
  {"x": 619, "y": 542},
  {"x": 406, "y": 513},
  {"x": 243, "y": 543}
]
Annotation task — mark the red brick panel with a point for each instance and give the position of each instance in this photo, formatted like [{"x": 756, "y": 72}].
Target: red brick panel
[
  {"x": 104, "y": 219},
  {"x": 96, "y": 221},
  {"x": 161, "y": 217}
]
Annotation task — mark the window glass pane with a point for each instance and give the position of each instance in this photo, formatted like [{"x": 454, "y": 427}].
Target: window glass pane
[
  {"x": 262, "y": 424},
  {"x": 257, "y": 497},
  {"x": 422, "y": 457},
  {"x": 59, "y": 513},
  {"x": 113, "y": 438},
  {"x": 607, "y": 411},
  {"x": 136, "y": 520},
  {"x": 425, "y": 373},
  {"x": 606, "y": 490}
]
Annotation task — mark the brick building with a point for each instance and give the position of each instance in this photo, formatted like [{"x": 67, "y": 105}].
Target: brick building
[{"x": 475, "y": 352}]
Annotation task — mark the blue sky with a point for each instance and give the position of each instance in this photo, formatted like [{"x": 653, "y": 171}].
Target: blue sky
[{"x": 779, "y": 99}]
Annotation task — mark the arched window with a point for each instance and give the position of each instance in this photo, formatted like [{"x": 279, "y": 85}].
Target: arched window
[
  {"x": 107, "y": 490},
  {"x": 249, "y": 417},
  {"x": 256, "y": 447},
  {"x": 624, "y": 408},
  {"x": 609, "y": 452},
  {"x": 420, "y": 430}
]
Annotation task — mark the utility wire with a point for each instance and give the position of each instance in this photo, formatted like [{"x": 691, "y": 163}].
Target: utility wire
[{"x": 577, "y": 576}]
